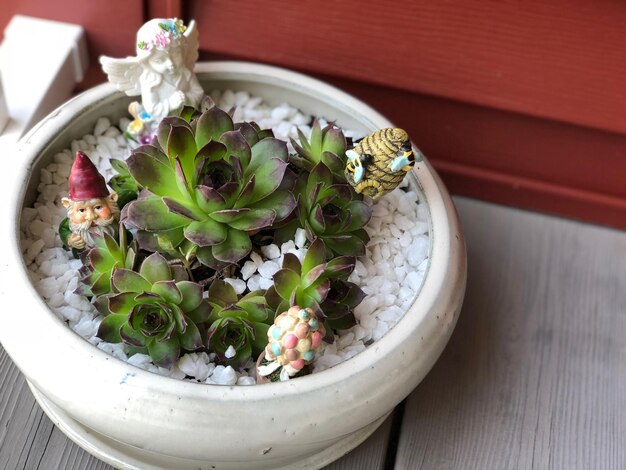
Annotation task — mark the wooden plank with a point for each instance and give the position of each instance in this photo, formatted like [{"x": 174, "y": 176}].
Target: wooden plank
[
  {"x": 535, "y": 373},
  {"x": 371, "y": 454},
  {"x": 562, "y": 59},
  {"x": 28, "y": 439}
]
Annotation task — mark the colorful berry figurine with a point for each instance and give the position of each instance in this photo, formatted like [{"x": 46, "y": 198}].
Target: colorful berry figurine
[
  {"x": 294, "y": 340},
  {"x": 377, "y": 165},
  {"x": 91, "y": 209}
]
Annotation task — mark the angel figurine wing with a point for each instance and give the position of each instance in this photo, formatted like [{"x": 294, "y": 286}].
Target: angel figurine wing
[
  {"x": 123, "y": 73},
  {"x": 191, "y": 48}
]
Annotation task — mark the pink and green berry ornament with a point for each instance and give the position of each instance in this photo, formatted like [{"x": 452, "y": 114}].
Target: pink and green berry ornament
[{"x": 294, "y": 340}]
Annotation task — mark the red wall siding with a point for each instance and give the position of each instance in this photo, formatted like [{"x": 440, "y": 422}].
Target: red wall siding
[{"x": 562, "y": 59}]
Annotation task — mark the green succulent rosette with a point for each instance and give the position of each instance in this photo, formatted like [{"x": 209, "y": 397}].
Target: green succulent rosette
[
  {"x": 327, "y": 145},
  {"x": 238, "y": 322},
  {"x": 330, "y": 211},
  {"x": 208, "y": 186},
  {"x": 317, "y": 284},
  {"x": 155, "y": 311},
  {"x": 101, "y": 261}
]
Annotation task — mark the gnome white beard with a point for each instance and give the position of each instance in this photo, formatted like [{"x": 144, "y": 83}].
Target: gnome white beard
[{"x": 87, "y": 230}]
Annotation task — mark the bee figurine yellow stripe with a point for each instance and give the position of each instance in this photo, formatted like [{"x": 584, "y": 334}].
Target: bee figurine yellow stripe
[{"x": 378, "y": 163}]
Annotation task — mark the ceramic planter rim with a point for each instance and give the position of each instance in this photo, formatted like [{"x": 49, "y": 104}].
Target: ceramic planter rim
[{"x": 447, "y": 253}]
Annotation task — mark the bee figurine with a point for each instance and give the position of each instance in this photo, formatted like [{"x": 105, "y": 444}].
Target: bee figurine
[{"x": 377, "y": 165}]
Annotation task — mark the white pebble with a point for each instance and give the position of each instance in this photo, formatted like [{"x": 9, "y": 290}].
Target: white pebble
[
  {"x": 268, "y": 269},
  {"x": 70, "y": 313},
  {"x": 224, "y": 375},
  {"x": 391, "y": 314},
  {"x": 287, "y": 247},
  {"x": 265, "y": 283},
  {"x": 246, "y": 381},
  {"x": 230, "y": 352},
  {"x": 300, "y": 238},
  {"x": 412, "y": 280},
  {"x": 270, "y": 251},
  {"x": 256, "y": 258},
  {"x": 253, "y": 282},
  {"x": 418, "y": 250},
  {"x": 248, "y": 269},
  {"x": 379, "y": 330},
  {"x": 102, "y": 125},
  {"x": 195, "y": 365},
  {"x": 139, "y": 360}
]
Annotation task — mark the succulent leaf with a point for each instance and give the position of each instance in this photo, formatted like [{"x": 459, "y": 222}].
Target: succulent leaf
[
  {"x": 211, "y": 125},
  {"x": 126, "y": 280},
  {"x": 109, "y": 329},
  {"x": 155, "y": 268},
  {"x": 269, "y": 175},
  {"x": 236, "y": 246},
  {"x": 168, "y": 290},
  {"x": 150, "y": 213},
  {"x": 156, "y": 175},
  {"x": 206, "y": 233},
  {"x": 164, "y": 353},
  {"x": 181, "y": 146},
  {"x": 191, "y": 295},
  {"x": 264, "y": 151}
]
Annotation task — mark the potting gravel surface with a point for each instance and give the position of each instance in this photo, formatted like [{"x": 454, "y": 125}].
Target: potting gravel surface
[{"x": 391, "y": 273}]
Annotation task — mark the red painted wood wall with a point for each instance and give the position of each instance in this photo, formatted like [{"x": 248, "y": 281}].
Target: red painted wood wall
[{"x": 521, "y": 103}]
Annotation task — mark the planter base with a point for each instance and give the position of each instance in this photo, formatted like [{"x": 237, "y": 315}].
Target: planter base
[{"x": 127, "y": 457}]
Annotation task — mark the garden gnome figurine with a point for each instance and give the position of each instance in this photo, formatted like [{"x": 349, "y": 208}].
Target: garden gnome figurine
[
  {"x": 162, "y": 73},
  {"x": 91, "y": 209}
]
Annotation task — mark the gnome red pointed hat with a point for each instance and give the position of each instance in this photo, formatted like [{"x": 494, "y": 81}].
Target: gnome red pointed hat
[{"x": 85, "y": 182}]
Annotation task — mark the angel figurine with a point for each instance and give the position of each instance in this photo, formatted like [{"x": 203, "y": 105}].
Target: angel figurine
[{"x": 162, "y": 73}]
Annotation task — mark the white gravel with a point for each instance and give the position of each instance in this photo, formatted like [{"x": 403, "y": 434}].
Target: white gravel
[{"x": 391, "y": 274}]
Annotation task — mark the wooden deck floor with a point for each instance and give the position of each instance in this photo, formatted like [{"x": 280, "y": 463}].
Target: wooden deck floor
[{"x": 534, "y": 375}]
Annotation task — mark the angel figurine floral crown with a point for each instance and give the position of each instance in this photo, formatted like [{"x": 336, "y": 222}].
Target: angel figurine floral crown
[{"x": 159, "y": 34}]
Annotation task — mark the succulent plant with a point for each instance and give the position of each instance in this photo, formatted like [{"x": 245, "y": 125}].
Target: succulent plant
[
  {"x": 327, "y": 145},
  {"x": 237, "y": 322},
  {"x": 100, "y": 262},
  {"x": 123, "y": 183},
  {"x": 330, "y": 211},
  {"x": 155, "y": 310},
  {"x": 317, "y": 284},
  {"x": 294, "y": 340},
  {"x": 208, "y": 186}
]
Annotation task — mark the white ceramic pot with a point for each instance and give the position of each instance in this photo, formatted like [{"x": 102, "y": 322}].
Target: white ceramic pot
[{"x": 131, "y": 418}]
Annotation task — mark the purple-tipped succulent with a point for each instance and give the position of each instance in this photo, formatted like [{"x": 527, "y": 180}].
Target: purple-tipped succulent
[
  {"x": 326, "y": 145},
  {"x": 319, "y": 285},
  {"x": 240, "y": 323},
  {"x": 155, "y": 310},
  {"x": 208, "y": 185},
  {"x": 332, "y": 212},
  {"x": 101, "y": 261}
]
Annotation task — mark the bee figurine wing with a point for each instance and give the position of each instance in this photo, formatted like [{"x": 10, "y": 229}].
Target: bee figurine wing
[
  {"x": 191, "y": 48},
  {"x": 398, "y": 163},
  {"x": 123, "y": 73}
]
